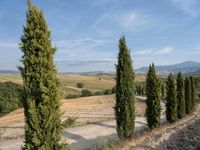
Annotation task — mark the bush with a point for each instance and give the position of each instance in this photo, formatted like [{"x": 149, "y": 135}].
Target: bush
[
  {"x": 99, "y": 93},
  {"x": 80, "y": 85},
  {"x": 114, "y": 90},
  {"x": 10, "y": 97},
  {"x": 72, "y": 96},
  {"x": 85, "y": 93},
  {"x": 108, "y": 92}
]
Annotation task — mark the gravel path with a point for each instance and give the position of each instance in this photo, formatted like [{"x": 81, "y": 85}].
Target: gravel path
[
  {"x": 182, "y": 135},
  {"x": 82, "y": 137},
  {"x": 187, "y": 138}
]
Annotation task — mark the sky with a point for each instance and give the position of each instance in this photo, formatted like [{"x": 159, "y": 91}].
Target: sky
[{"x": 86, "y": 32}]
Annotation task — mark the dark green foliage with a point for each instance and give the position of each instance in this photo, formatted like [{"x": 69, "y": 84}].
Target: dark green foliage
[
  {"x": 192, "y": 92},
  {"x": 153, "y": 110},
  {"x": 188, "y": 101},
  {"x": 41, "y": 88},
  {"x": 180, "y": 96},
  {"x": 171, "y": 104},
  {"x": 10, "y": 97},
  {"x": 197, "y": 88},
  {"x": 108, "y": 92},
  {"x": 140, "y": 88},
  {"x": 163, "y": 90},
  {"x": 125, "y": 100},
  {"x": 72, "y": 96},
  {"x": 85, "y": 93},
  {"x": 80, "y": 85},
  {"x": 99, "y": 93},
  {"x": 114, "y": 90},
  {"x": 69, "y": 122}
]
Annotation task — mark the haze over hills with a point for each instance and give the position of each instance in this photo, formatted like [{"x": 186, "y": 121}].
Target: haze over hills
[{"x": 187, "y": 67}]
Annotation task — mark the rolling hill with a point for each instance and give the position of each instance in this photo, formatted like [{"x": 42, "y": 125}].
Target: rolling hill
[{"x": 187, "y": 67}]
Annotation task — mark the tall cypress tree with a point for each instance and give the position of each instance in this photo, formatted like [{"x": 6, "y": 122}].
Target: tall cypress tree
[
  {"x": 180, "y": 96},
  {"x": 153, "y": 110},
  {"x": 125, "y": 100},
  {"x": 192, "y": 92},
  {"x": 171, "y": 105},
  {"x": 41, "y": 91},
  {"x": 188, "y": 101}
]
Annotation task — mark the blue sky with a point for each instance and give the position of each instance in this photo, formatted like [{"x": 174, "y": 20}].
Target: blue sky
[{"x": 86, "y": 32}]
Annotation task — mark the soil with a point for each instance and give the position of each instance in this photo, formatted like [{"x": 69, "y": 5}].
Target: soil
[{"x": 181, "y": 135}]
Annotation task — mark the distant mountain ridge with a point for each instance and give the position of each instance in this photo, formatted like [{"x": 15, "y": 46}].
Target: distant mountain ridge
[
  {"x": 187, "y": 67},
  {"x": 9, "y": 72}
]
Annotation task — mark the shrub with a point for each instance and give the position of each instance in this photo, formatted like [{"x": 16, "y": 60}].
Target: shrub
[
  {"x": 80, "y": 85},
  {"x": 114, "y": 90},
  {"x": 10, "y": 97},
  {"x": 108, "y": 92},
  {"x": 85, "y": 93},
  {"x": 99, "y": 93},
  {"x": 72, "y": 96}
]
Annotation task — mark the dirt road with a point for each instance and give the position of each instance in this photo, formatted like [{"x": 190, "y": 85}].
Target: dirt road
[
  {"x": 93, "y": 113},
  {"x": 81, "y": 137}
]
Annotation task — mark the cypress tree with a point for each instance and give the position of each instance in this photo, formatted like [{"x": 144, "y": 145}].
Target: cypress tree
[
  {"x": 180, "y": 96},
  {"x": 188, "y": 101},
  {"x": 153, "y": 110},
  {"x": 41, "y": 91},
  {"x": 171, "y": 104},
  {"x": 125, "y": 100},
  {"x": 192, "y": 92}
]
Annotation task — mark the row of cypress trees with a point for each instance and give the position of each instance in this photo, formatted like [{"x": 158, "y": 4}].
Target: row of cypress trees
[
  {"x": 42, "y": 96},
  {"x": 180, "y": 97}
]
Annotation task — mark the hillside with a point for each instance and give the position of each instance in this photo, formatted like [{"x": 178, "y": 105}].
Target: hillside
[{"x": 187, "y": 67}]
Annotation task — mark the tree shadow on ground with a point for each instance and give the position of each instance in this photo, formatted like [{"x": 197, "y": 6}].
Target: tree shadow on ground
[{"x": 82, "y": 143}]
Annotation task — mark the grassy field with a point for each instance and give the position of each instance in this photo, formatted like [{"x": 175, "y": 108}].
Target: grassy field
[
  {"x": 87, "y": 109},
  {"x": 69, "y": 81}
]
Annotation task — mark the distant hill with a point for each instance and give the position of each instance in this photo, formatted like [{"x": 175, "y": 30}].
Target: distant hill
[
  {"x": 187, "y": 67},
  {"x": 195, "y": 73},
  {"x": 8, "y": 72}
]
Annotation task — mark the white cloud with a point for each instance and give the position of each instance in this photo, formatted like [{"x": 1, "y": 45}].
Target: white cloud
[
  {"x": 103, "y": 17},
  {"x": 84, "y": 49},
  {"x": 77, "y": 44},
  {"x": 165, "y": 50},
  {"x": 188, "y": 6},
  {"x": 162, "y": 51},
  {"x": 130, "y": 19},
  {"x": 144, "y": 52},
  {"x": 8, "y": 45}
]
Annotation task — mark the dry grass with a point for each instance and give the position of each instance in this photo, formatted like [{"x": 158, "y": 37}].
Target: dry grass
[
  {"x": 69, "y": 81},
  {"x": 87, "y": 109}
]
